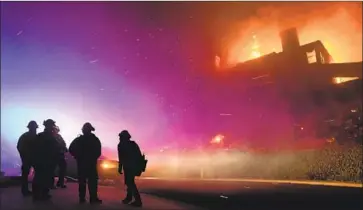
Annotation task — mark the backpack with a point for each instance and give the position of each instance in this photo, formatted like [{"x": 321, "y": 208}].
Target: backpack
[{"x": 143, "y": 164}]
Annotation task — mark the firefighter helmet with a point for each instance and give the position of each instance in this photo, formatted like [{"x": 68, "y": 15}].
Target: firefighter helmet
[
  {"x": 49, "y": 123},
  {"x": 124, "y": 134},
  {"x": 88, "y": 126},
  {"x": 32, "y": 124}
]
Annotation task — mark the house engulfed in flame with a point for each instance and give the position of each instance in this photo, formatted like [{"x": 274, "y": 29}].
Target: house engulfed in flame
[
  {"x": 304, "y": 77},
  {"x": 312, "y": 60}
]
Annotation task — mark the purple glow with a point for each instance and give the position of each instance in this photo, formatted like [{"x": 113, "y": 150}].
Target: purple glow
[
  {"x": 143, "y": 66},
  {"x": 106, "y": 63}
]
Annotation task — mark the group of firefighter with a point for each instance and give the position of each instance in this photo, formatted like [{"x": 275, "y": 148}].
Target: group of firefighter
[{"x": 45, "y": 151}]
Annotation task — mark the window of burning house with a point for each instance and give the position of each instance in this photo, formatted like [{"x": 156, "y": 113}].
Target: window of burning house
[
  {"x": 311, "y": 56},
  {"x": 339, "y": 80}
]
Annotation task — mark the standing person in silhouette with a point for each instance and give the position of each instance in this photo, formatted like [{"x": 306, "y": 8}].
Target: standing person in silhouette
[
  {"x": 86, "y": 149},
  {"x": 46, "y": 151},
  {"x": 61, "y": 163},
  {"x": 24, "y": 146},
  {"x": 130, "y": 158}
]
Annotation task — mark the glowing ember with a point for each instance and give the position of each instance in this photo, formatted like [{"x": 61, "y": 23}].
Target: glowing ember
[
  {"x": 330, "y": 140},
  {"x": 105, "y": 165},
  {"x": 108, "y": 165},
  {"x": 218, "y": 139}
]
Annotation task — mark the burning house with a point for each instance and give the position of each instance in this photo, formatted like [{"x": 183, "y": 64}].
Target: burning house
[
  {"x": 277, "y": 94},
  {"x": 310, "y": 59}
]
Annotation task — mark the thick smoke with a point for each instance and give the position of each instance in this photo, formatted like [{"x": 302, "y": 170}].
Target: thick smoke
[{"x": 339, "y": 163}]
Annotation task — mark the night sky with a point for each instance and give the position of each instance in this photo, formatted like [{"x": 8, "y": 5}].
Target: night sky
[
  {"x": 141, "y": 66},
  {"x": 118, "y": 65}
]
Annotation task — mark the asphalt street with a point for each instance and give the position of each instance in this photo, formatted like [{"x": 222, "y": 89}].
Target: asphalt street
[
  {"x": 171, "y": 194},
  {"x": 251, "y": 195},
  {"x": 67, "y": 199}
]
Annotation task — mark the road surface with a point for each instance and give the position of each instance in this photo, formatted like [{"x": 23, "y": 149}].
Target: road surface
[
  {"x": 196, "y": 194},
  {"x": 67, "y": 199},
  {"x": 246, "y": 195}
]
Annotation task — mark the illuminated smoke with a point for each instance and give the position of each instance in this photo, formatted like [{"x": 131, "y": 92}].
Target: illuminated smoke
[{"x": 337, "y": 161}]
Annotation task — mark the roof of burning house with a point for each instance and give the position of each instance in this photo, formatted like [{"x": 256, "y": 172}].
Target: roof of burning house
[
  {"x": 273, "y": 63},
  {"x": 313, "y": 45},
  {"x": 275, "y": 58}
]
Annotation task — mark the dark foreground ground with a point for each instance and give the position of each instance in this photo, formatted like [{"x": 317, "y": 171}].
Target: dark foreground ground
[
  {"x": 67, "y": 199},
  {"x": 191, "y": 194},
  {"x": 252, "y": 196}
]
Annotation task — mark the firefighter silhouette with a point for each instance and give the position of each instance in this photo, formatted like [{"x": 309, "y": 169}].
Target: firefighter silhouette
[
  {"x": 86, "y": 149},
  {"x": 45, "y": 156},
  {"x": 131, "y": 163},
  {"x": 24, "y": 146},
  {"x": 61, "y": 161}
]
